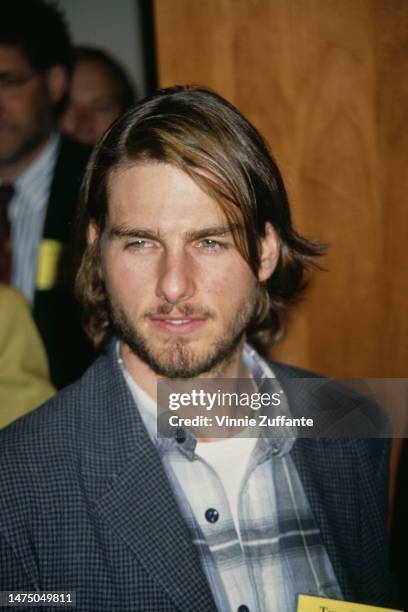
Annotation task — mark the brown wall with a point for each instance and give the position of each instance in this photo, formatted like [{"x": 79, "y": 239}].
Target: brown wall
[{"x": 326, "y": 81}]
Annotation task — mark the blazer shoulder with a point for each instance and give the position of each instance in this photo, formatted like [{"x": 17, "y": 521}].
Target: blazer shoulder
[
  {"x": 344, "y": 409},
  {"x": 79, "y": 412},
  {"x": 54, "y": 417},
  {"x": 55, "y": 423},
  {"x": 284, "y": 370}
]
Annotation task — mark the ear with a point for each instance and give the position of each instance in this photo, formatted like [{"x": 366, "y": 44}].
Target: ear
[
  {"x": 93, "y": 236},
  {"x": 92, "y": 233},
  {"x": 270, "y": 253},
  {"x": 57, "y": 81}
]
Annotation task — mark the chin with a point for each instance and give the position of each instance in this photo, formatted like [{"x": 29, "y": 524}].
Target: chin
[{"x": 183, "y": 358}]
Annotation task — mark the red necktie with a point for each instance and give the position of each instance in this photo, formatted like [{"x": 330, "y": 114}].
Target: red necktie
[{"x": 6, "y": 193}]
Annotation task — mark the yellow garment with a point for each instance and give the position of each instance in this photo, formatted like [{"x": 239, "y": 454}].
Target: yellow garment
[{"x": 24, "y": 377}]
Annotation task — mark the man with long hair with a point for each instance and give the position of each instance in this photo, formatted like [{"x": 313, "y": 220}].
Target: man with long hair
[{"x": 189, "y": 262}]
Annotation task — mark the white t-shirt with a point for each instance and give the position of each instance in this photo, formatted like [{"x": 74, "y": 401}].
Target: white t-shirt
[{"x": 229, "y": 458}]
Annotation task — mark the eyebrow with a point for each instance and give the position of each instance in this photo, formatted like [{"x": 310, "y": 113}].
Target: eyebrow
[{"x": 124, "y": 231}]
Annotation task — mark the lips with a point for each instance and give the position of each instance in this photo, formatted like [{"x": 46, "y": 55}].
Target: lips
[{"x": 177, "y": 325}]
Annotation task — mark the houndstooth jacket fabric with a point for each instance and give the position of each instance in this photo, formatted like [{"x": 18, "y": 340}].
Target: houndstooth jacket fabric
[{"x": 85, "y": 505}]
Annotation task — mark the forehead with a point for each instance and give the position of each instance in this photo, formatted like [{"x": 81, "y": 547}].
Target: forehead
[
  {"x": 160, "y": 195},
  {"x": 93, "y": 77},
  {"x": 13, "y": 58}
]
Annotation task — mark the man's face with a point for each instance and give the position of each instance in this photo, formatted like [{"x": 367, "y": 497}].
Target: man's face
[
  {"x": 26, "y": 99},
  {"x": 93, "y": 103},
  {"x": 181, "y": 294}
]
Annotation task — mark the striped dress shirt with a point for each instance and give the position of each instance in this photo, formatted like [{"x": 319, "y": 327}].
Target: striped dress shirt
[{"x": 27, "y": 212}]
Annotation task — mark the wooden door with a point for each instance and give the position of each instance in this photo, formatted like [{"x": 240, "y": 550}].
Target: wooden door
[{"x": 326, "y": 82}]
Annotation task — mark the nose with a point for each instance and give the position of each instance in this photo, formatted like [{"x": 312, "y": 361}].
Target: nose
[{"x": 176, "y": 278}]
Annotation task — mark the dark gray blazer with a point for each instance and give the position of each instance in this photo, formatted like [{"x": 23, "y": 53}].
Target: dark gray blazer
[{"x": 85, "y": 505}]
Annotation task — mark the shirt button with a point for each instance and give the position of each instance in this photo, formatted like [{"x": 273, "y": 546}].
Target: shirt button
[
  {"x": 180, "y": 436},
  {"x": 243, "y": 608},
  {"x": 212, "y": 516}
]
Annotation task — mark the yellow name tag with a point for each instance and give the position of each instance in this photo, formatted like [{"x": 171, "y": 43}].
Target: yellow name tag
[
  {"x": 307, "y": 603},
  {"x": 49, "y": 256}
]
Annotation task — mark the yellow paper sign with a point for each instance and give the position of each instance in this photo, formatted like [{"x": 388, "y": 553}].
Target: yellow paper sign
[
  {"x": 48, "y": 264},
  {"x": 307, "y": 603}
]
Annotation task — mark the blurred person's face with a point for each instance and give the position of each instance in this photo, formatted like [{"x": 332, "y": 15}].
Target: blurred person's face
[
  {"x": 93, "y": 103},
  {"x": 27, "y": 98},
  {"x": 181, "y": 294}
]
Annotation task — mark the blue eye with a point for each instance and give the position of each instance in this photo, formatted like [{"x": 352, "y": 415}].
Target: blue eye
[
  {"x": 211, "y": 245},
  {"x": 139, "y": 244}
]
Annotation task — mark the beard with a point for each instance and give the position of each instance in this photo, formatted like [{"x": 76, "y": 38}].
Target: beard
[{"x": 175, "y": 358}]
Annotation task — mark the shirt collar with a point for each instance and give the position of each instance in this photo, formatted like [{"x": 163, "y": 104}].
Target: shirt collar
[
  {"x": 266, "y": 382},
  {"x": 185, "y": 441}
]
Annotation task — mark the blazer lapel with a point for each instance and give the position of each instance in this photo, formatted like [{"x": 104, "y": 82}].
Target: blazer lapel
[{"x": 133, "y": 495}]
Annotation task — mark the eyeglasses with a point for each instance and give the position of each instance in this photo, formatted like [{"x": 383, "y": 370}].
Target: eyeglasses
[{"x": 11, "y": 82}]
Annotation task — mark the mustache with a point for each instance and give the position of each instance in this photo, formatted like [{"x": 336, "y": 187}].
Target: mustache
[{"x": 186, "y": 310}]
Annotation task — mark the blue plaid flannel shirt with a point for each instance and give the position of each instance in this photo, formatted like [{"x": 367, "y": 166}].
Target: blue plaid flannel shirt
[{"x": 281, "y": 553}]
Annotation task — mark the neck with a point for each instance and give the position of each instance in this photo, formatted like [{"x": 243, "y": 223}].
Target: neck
[
  {"x": 10, "y": 171},
  {"x": 147, "y": 380}
]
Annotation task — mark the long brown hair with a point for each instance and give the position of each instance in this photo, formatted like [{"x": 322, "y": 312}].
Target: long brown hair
[{"x": 205, "y": 136}]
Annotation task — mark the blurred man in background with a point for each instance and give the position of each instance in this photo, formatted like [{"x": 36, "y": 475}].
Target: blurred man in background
[
  {"x": 40, "y": 175},
  {"x": 100, "y": 91}
]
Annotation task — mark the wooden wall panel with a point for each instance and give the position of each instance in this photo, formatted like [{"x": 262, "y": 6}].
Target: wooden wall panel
[{"x": 326, "y": 82}]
